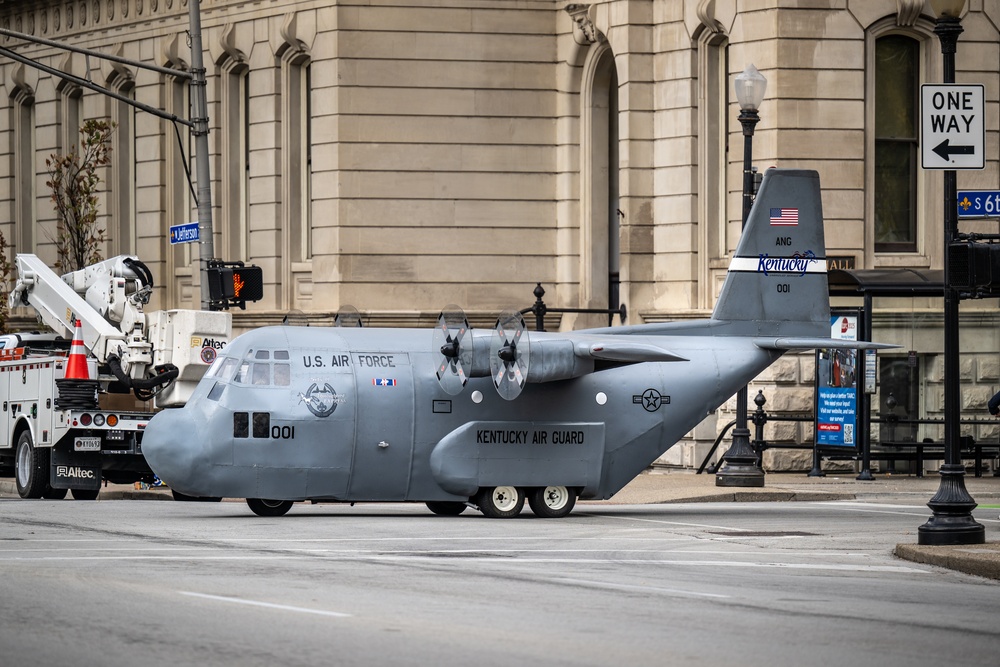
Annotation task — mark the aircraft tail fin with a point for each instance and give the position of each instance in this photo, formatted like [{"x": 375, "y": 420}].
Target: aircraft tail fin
[{"x": 777, "y": 283}]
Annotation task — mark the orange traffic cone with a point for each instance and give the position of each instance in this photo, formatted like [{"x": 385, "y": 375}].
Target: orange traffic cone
[{"x": 76, "y": 367}]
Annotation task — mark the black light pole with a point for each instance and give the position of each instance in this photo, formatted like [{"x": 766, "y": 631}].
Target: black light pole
[
  {"x": 952, "y": 522},
  {"x": 740, "y": 461}
]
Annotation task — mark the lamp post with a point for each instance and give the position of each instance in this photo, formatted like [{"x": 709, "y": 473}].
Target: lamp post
[
  {"x": 952, "y": 522},
  {"x": 740, "y": 461}
]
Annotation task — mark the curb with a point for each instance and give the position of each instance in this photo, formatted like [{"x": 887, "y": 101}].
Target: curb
[
  {"x": 764, "y": 496},
  {"x": 9, "y": 488},
  {"x": 982, "y": 560}
]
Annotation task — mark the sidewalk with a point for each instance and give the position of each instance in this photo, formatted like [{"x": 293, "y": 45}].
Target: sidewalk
[
  {"x": 686, "y": 487},
  {"x": 683, "y": 486}
]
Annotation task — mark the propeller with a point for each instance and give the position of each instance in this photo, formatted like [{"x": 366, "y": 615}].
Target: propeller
[
  {"x": 509, "y": 355},
  {"x": 347, "y": 316},
  {"x": 451, "y": 349}
]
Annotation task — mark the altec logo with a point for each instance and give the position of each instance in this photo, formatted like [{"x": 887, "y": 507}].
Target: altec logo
[
  {"x": 74, "y": 471},
  {"x": 197, "y": 341}
]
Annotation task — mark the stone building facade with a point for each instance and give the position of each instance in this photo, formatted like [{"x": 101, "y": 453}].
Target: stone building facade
[{"x": 401, "y": 155}]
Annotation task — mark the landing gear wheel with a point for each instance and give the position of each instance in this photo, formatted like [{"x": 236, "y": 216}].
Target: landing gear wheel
[
  {"x": 85, "y": 494},
  {"x": 552, "y": 502},
  {"x": 445, "y": 508},
  {"x": 500, "y": 502},
  {"x": 266, "y": 507},
  {"x": 31, "y": 467},
  {"x": 55, "y": 494}
]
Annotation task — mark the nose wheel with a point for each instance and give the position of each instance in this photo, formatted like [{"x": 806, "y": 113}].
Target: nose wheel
[{"x": 266, "y": 507}]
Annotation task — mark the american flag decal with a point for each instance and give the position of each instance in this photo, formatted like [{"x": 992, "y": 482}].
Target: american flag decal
[
  {"x": 784, "y": 217},
  {"x": 384, "y": 382}
]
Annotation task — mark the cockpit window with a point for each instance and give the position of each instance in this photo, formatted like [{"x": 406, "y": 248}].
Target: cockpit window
[
  {"x": 214, "y": 368},
  {"x": 261, "y": 374},
  {"x": 243, "y": 375},
  {"x": 226, "y": 369},
  {"x": 257, "y": 369}
]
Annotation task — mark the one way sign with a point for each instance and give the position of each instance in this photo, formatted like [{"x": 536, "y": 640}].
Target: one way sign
[{"x": 952, "y": 131}]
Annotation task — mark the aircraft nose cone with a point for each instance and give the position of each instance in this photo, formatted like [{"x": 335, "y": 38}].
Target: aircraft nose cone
[{"x": 171, "y": 447}]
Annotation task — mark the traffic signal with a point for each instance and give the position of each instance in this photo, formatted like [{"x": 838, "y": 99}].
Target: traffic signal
[
  {"x": 975, "y": 266},
  {"x": 233, "y": 284}
]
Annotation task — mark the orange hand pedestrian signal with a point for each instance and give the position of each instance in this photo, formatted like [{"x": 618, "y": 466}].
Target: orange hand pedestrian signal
[{"x": 232, "y": 284}]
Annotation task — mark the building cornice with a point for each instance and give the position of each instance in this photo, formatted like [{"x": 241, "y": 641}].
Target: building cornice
[{"x": 52, "y": 19}]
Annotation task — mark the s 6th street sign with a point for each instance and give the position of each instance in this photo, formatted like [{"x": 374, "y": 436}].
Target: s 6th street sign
[
  {"x": 978, "y": 203},
  {"x": 952, "y": 131}
]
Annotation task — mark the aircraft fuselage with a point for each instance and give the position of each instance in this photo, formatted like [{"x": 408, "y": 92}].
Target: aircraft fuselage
[{"x": 358, "y": 415}]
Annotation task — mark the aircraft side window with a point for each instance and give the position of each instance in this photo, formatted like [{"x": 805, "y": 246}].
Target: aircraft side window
[
  {"x": 262, "y": 354},
  {"x": 227, "y": 368},
  {"x": 213, "y": 370},
  {"x": 261, "y": 374},
  {"x": 282, "y": 374},
  {"x": 281, "y": 354},
  {"x": 243, "y": 375}
]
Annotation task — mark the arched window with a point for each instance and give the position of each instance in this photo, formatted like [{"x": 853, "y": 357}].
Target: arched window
[
  {"x": 180, "y": 203},
  {"x": 122, "y": 202},
  {"x": 713, "y": 106},
  {"x": 24, "y": 170},
  {"x": 69, "y": 121},
  {"x": 897, "y": 81},
  {"x": 602, "y": 217},
  {"x": 298, "y": 147},
  {"x": 235, "y": 160}
]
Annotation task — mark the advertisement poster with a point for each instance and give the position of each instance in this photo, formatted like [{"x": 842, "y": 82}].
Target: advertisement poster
[{"x": 837, "y": 386}]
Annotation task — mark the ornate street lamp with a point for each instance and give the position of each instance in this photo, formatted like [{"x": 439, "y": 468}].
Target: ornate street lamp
[
  {"x": 952, "y": 505},
  {"x": 740, "y": 461}
]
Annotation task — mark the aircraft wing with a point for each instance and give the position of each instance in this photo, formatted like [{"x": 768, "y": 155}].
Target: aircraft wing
[
  {"x": 624, "y": 351},
  {"x": 816, "y": 343}
]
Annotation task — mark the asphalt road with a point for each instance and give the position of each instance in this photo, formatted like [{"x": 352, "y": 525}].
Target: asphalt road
[{"x": 126, "y": 583}]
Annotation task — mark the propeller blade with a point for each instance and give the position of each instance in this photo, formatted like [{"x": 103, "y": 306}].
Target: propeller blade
[
  {"x": 447, "y": 342},
  {"x": 510, "y": 352}
]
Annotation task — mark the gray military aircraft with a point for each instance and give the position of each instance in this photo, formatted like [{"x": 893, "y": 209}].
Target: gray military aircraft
[{"x": 455, "y": 417}]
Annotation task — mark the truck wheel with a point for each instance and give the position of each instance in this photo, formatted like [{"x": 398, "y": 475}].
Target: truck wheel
[
  {"x": 500, "y": 502},
  {"x": 552, "y": 502},
  {"x": 85, "y": 494},
  {"x": 31, "y": 468},
  {"x": 445, "y": 508},
  {"x": 266, "y": 507},
  {"x": 55, "y": 494}
]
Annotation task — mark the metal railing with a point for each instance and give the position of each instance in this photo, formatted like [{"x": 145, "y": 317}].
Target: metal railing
[
  {"x": 920, "y": 450},
  {"x": 539, "y": 310}
]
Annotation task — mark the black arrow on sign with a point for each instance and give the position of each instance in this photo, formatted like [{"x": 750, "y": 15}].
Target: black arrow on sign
[{"x": 946, "y": 151}]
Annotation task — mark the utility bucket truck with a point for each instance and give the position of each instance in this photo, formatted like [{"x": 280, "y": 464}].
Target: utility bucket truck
[{"x": 59, "y": 433}]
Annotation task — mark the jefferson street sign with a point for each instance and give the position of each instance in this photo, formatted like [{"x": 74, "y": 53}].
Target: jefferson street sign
[
  {"x": 186, "y": 233},
  {"x": 952, "y": 131}
]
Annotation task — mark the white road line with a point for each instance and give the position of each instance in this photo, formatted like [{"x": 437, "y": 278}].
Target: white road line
[
  {"x": 633, "y": 588},
  {"x": 479, "y": 559},
  {"x": 268, "y": 605},
  {"x": 705, "y": 563},
  {"x": 662, "y": 522}
]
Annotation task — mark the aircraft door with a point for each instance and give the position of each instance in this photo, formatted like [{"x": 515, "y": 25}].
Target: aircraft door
[{"x": 383, "y": 444}]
